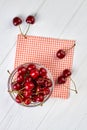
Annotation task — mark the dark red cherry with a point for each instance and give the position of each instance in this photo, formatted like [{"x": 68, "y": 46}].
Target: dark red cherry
[
  {"x": 29, "y": 86},
  {"x": 40, "y": 81},
  {"x": 34, "y": 73},
  {"x": 43, "y": 72},
  {"x": 22, "y": 70},
  {"x": 30, "y": 19},
  {"x": 39, "y": 89},
  {"x": 61, "y": 80},
  {"x": 40, "y": 98},
  {"x": 34, "y": 98},
  {"x": 27, "y": 101},
  {"x": 26, "y": 93},
  {"x": 48, "y": 83},
  {"x": 46, "y": 91},
  {"x": 18, "y": 99},
  {"x": 17, "y": 21},
  {"x": 31, "y": 66},
  {"x": 28, "y": 79},
  {"x": 16, "y": 86},
  {"x": 20, "y": 78},
  {"x": 66, "y": 73},
  {"x": 60, "y": 54}
]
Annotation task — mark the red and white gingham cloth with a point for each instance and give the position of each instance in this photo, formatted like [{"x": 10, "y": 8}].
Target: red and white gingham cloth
[{"x": 43, "y": 51}]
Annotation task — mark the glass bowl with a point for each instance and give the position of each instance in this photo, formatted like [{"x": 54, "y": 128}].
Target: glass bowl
[{"x": 44, "y": 92}]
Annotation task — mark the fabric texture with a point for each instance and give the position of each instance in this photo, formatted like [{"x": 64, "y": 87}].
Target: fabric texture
[{"x": 43, "y": 51}]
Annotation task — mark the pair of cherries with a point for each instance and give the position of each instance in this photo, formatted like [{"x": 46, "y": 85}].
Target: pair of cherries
[
  {"x": 17, "y": 21},
  {"x": 29, "y": 20},
  {"x": 63, "y": 78}
]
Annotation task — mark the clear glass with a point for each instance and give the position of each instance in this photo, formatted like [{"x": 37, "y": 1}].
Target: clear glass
[{"x": 13, "y": 76}]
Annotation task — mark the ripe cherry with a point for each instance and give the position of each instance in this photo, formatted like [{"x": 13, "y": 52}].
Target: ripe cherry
[
  {"x": 20, "y": 78},
  {"x": 29, "y": 86},
  {"x": 61, "y": 80},
  {"x": 30, "y": 19},
  {"x": 46, "y": 91},
  {"x": 43, "y": 72},
  {"x": 26, "y": 93},
  {"x": 66, "y": 73},
  {"x": 34, "y": 73},
  {"x": 18, "y": 99},
  {"x": 17, "y": 21},
  {"x": 27, "y": 101},
  {"x": 62, "y": 53},
  {"x": 48, "y": 83},
  {"x": 28, "y": 79},
  {"x": 16, "y": 86},
  {"x": 40, "y": 98},
  {"x": 22, "y": 70},
  {"x": 39, "y": 89},
  {"x": 31, "y": 66},
  {"x": 40, "y": 81}
]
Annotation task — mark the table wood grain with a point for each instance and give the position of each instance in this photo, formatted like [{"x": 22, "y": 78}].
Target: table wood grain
[{"x": 66, "y": 19}]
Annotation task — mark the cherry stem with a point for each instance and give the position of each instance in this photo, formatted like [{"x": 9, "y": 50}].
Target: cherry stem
[
  {"x": 12, "y": 91},
  {"x": 71, "y": 89},
  {"x": 15, "y": 90},
  {"x": 70, "y": 48},
  {"x": 75, "y": 90},
  {"x": 27, "y": 30},
  {"x": 20, "y": 30},
  {"x": 74, "y": 85},
  {"x": 8, "y": 72}
]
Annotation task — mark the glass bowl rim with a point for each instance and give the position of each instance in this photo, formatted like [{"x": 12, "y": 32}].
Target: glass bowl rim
[{"x": 49, "y": 75}]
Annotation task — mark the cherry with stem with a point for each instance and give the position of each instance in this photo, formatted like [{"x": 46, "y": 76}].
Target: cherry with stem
[
  {"x": 61, "y": 53},
  {"x": 63, "y": 78}
]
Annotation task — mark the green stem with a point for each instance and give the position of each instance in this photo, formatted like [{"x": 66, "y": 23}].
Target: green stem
[
  {"x": 74, "y": 85},
  {"x": 70, "y": 48},
  {"x": 20, "y": 30},
  {"x": 27, "y": 30}
]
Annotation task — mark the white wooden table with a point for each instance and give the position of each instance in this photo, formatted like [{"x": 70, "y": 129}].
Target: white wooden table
[{"x": 65, "y": 19}]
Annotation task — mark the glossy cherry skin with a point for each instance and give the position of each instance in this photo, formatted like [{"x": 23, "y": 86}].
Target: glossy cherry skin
[
  {"x": 27, "y": 101},
  {"x": 20, "y": 78},
  {"x": 34, "y": 73},
  {"x": 27, "y": 93},
  {"x": 17, "y": 21},
  {"x": 66, "y": 73},
  {"x": 61, "y": 80},
  {"x": 60, "y": 54},
  {"x": 46, "y": 91},
  {"x": 29, "y": 86},
  {"x": 40, "y": 98},
  {"x": 43, "y": 72},
  {"x": 16, "y": 86},
  {"x": 30, "y": 19},
  {"x": 28, "y": 79},
  {"x": 31, "y": 66},
  {"x": 40, "y": 81},
  {"x": 48, "y": 83},
  {"x": 18, "y": 99},
  {"x": 22, "y": 70},
  {"x": 39, "y": 89}
]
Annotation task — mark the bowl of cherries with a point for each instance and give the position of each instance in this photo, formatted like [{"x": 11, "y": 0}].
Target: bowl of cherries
[{"x": 30, "y": 84}]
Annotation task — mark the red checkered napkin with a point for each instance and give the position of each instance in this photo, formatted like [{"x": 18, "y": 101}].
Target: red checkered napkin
[{"x": 43, "y": 51}]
